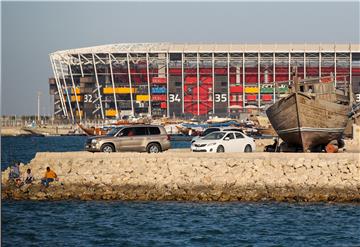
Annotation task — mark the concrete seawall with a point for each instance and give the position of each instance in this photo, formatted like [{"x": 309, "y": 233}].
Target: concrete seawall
[{"x": 181, "y": 175}]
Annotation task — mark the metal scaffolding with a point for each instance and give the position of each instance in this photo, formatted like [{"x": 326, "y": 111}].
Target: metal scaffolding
[{"x": 144, "y": 66}]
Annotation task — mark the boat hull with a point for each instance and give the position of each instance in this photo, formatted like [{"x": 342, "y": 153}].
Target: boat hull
[{"x": 308, "y": 122}]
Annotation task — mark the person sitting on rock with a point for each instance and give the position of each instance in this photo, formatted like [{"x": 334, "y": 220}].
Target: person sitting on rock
[
  {"x": 29, "y": 177},
  {"x": 49, "y": 177},
  {"x": 14, "y": 172},
  {"x": 14, "y": 175}
]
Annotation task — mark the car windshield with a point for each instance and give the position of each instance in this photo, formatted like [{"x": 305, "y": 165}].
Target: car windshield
[
  {"x": 114, "y": 131},
  {"x": 208, "y": 131},
  {"x": 214, "y": 136}
]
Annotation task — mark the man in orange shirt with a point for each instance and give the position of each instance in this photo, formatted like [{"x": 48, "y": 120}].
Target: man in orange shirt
[{"x": 50, "y": 176}]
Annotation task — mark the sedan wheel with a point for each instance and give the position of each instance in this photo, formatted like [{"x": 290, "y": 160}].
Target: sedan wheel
[
  {"x": 220, "y": 149},
  {"x": 248, "y": 149}
]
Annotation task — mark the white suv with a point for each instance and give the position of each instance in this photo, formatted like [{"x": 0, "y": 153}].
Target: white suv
[{"x": 224, "y": 141}]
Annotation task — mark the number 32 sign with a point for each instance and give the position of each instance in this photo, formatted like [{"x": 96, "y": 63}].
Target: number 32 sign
[{"x": 357, "y": 97}]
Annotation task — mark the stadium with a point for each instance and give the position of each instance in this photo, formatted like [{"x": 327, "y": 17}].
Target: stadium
[{"x": 188, "y": 80}]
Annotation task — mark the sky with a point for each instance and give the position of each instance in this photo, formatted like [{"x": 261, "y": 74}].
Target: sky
[{"x": 32, "y": 30}]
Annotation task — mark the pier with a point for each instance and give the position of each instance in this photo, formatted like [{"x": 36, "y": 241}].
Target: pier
[{"x": 181, "y": 175}]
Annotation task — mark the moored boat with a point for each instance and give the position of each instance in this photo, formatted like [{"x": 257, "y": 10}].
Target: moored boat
[
  {"x": 94, "y": 131},
  {"x": 312, "y": 116}
]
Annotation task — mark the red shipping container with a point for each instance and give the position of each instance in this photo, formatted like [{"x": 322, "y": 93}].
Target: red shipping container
[
  {"x": 190, "y": 71},
  {"x": 220, "y": 71},
  {"x": 300, "y": 69},
  {"x": 233, "y": 79},
  {"x": 158, "y": 97},
  {"x": 312, "y": 71},
  {"x": 190, "y": 107},
  {"x": 207, "y": 104},
  {"x": 236, "y": 89},
  {"x": 136, "y": 79},
  {"x": 163, "y": 105},
  {"x": 281, "y": 77},
  {"x": 251, "y": 97},
  {"x": 143, "y": 71},
  {"x": 266, "y": 97},
  {"x": 278, "y": 68},
  {"x": 206, "y": 71},
  {"x": 175, "y": 71},
  {"x": 269, "y": 77},
  {"x": 160, "y": 80},
  {"x": 206, "y": 86},
  {"x": 236, "y": 103},
  {"x": 233, "y": 70},
  {"x": 191, "y": 79},
  {"x": 356, "y": 71},
  {"x": 342, "y": 70},
  {"x": 206, "y": 80},
  {"x": 189, "y": 98}
]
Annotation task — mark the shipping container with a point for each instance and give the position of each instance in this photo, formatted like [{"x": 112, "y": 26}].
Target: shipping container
[
  {"x": 119, "y": 90},
  {"x": 142, "y": 97}
]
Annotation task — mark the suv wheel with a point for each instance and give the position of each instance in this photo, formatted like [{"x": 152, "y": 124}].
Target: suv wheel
[
  {"x": 153, "y": 148},
  {"x": 248, "y": 149},
  {"x": 220, "y": 149},
  {"x": 107, "y": 148}
]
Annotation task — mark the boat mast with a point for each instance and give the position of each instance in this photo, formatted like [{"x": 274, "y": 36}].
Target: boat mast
[{"x": 295, "y": 79}]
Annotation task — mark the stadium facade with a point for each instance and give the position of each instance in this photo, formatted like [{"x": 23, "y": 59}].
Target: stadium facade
[{"x": 186, "y": 80}]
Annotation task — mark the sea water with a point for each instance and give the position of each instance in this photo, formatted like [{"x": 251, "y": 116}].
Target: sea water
[
  {"x": 123, "y": 223},
  {"x": 24, "y": 148}
]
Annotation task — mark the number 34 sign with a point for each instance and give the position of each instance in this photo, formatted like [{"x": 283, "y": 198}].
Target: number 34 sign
[{"x": 174, "y": 97}]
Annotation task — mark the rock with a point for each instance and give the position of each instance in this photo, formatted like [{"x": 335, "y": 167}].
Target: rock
[{"x": 193, "y": 176}]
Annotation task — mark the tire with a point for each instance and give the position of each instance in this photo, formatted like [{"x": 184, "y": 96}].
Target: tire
[
  {"x": 107, "y": 148},
  {"x": 248, "y": 149},
  {"x": 153, "y": 148},
  {"x": 220, "y": 149},
  {"x": 341, "y": 143}
]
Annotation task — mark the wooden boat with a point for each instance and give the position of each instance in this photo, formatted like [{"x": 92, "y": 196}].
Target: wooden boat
[
  {"x": 266, "y": 131},
  {"x": 311, "y": 116},
  {"x": 99, "y": 131},
  {"x": 93, "y": 131}
]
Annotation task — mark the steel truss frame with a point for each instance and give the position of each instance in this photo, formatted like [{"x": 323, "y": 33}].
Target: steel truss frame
[{"x": 64, "y": 63}]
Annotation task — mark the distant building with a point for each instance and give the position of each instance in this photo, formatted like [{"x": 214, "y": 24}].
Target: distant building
[{"x": 185, "y": 80}]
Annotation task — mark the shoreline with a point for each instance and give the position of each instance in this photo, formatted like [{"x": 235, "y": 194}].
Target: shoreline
[{"x": 185, "y": 176}]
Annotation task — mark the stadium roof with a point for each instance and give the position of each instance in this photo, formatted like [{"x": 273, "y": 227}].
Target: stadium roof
[{"x": 206, "y": 47}]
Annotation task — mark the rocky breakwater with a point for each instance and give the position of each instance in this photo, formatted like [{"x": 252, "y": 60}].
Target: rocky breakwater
[{"x": 179, "y": 175}]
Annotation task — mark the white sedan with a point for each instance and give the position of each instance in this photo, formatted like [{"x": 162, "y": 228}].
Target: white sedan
[{"x": 224, "y": 141}]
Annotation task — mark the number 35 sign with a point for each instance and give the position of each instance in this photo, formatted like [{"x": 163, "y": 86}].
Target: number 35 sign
[{"x": 220, "y": 97}]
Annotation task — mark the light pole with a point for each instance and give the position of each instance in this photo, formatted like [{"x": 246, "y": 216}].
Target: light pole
[{"x": 38, "y": 106}]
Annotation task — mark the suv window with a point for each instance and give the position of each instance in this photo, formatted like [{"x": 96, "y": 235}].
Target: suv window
[
  {"x": 140, "y": 131},
  {"x": 126, "y": 132},
  {"x": 154, "y": 131},
  {"x": 239, "y": 135}
]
